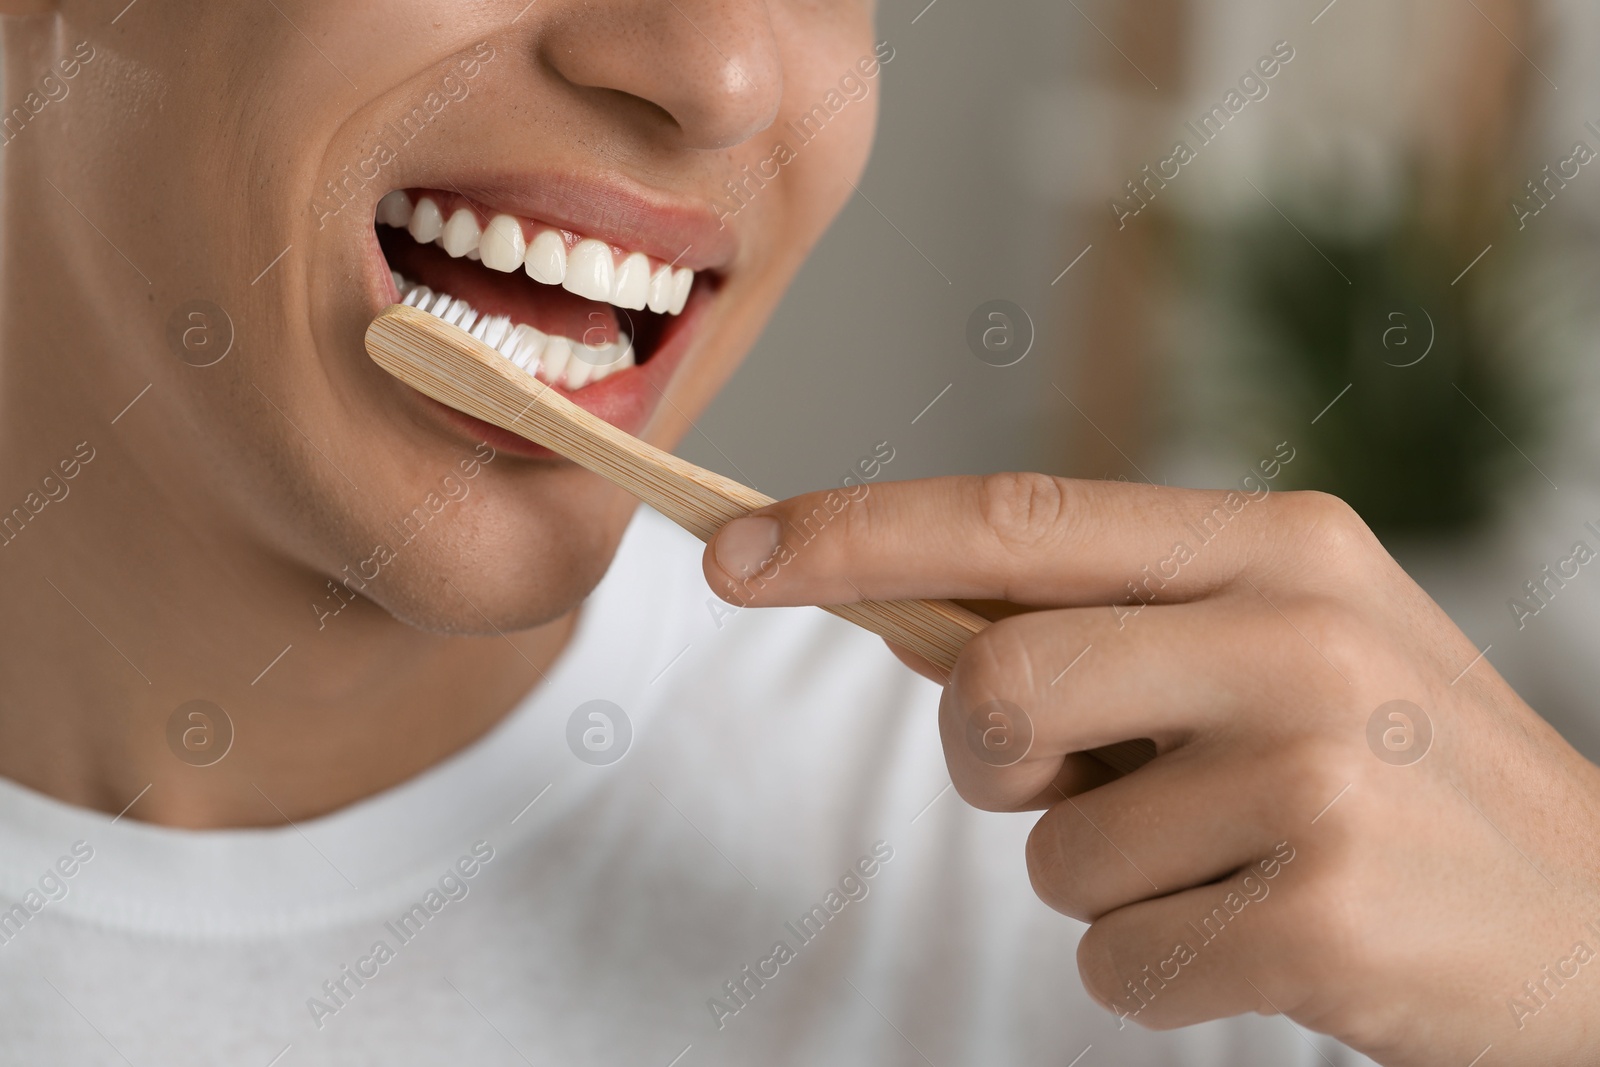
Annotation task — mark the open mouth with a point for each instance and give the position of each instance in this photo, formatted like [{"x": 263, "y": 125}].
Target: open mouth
[{"x": 569, "y": 309}]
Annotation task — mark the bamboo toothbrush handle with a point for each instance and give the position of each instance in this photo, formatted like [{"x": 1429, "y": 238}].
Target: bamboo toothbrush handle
[{"x": 456, "y": 369}]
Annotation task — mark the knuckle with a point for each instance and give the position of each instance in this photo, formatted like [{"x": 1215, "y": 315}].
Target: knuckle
[
  {"x": 1319, "y": 640},
  {"x": 821, "y": 534},
  {"x": 1336, "y": 634},
  {"x": 980, "y": 786},
  {"x": 997, "y": 663},
  {"x": 1025, "y": 510},
  {"x": 1320, "y": 911},
  {"x": 1066, "y": 886},
  {"x": 1311, "y": 772},
  {"x": 1097, "y": 961},
  {"x": 988, "y": 724},
  {"x": 1326, "y": 917},
  {"x": 825, "y": 520},
  {"x": 974, "y": 781},
  {"x": 1107, "y": 966},
  {"x": 1329, "y": 530},
  {"x": 1339, "y": 930}
]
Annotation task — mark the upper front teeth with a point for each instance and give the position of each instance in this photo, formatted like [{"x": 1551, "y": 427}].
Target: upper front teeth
[
  {"x": 590, "y": 269},
  {"x": 546, "y": 260},
  {"x": 502, "y": 246},
  {"x": 632, "y": 282},
  {"x": 590, "y": 272}
]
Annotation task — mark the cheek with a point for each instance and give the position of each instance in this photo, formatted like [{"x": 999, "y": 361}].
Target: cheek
[
  {"x": 829, "y": 133},
  {"x": 790, "y": 184}
]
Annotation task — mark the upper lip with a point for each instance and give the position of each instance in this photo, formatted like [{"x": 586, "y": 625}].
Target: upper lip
[{"x": 618, "y": 211}]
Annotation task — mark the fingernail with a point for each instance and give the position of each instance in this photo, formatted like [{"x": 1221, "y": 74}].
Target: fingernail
[{"x": 745, "y": 545}]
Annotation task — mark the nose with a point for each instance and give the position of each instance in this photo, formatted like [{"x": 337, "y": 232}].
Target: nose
[{"x": 711, "y": 65}]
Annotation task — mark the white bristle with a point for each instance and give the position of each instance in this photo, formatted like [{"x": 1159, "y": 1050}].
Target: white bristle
[
  {"x": 498, "y": 326},
  {"x": 518, "y": 343},
  {"x": 524, "y": 345}
]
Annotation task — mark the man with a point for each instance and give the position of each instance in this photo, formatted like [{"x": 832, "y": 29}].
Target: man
[{"x": 323, "y": 746}]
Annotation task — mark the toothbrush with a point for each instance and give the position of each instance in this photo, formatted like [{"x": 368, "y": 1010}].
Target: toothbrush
[{"x": 454, "y": 368}]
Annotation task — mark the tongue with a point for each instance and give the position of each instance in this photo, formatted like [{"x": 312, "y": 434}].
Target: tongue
[{"x": 547, "y": 308}]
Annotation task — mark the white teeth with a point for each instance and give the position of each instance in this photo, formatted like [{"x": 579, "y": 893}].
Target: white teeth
[
  {"x": 590, "y": 272},
  {"x": 632, "y": 282},
  {"x": 503, "y": 245},
  {"x": 461, "y": 234},
  {"x": 603, "y": 359},
  {"x": 394, "y": 209},
  {"x": 606, "y": 360},
  {"x": 546, "y": 260},
  {"x": 589, "y": 269},
  {"x": 555, "y": 357},
  {"x": 659, "y": 297},
  {"x": 579, "y": 371},
  {"x": 427, "y": 222},
  {"x": 682, "y": 282},
  {"x": 597, "y": 356}
]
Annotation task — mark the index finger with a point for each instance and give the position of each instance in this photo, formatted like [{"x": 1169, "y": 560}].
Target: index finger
[{"x": 1029, "y": 539}]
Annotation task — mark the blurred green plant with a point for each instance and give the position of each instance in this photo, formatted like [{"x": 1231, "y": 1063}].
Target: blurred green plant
[{"x": 1419, "y": 442}]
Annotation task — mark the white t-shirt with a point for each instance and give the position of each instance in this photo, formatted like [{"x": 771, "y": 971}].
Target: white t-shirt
[{"x": 783, "y": 786}]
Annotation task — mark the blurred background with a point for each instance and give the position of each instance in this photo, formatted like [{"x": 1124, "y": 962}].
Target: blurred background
[{"x": 1382, "y": 254}]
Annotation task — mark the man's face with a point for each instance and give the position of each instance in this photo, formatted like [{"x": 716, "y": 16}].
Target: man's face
[{"x": 232, "y": 157}]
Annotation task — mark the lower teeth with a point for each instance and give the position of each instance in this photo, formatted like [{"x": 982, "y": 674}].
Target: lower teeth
[{"x": 551, "y": 358}]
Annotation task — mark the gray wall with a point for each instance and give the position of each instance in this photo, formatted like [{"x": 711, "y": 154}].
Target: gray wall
[{"x": 871, "y": 332}]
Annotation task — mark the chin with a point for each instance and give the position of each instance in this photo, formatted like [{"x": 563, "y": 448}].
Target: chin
[
  {"x": 520, "y": 548},
  {"x": 485, "y": 606}
]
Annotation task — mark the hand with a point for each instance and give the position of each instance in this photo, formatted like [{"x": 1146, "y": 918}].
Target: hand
[{"x": 1420, "y": 879}]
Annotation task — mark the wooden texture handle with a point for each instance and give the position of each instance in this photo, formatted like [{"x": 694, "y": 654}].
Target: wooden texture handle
[{"x": 462, "y": 372}]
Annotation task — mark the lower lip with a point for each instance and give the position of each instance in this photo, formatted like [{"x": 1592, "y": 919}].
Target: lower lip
[{"x": 625, "y": 399}]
